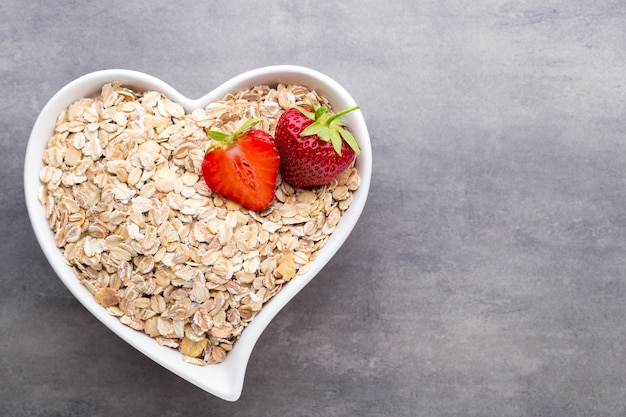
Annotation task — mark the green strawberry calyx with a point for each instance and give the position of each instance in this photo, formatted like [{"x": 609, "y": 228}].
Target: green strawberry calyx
[
  {"x": 224, "y": 139},
  {"x": 329, "y": 127}
]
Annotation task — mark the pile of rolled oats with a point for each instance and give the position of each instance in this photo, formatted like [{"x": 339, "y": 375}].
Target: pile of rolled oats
[{"x": 131, "y": 213}]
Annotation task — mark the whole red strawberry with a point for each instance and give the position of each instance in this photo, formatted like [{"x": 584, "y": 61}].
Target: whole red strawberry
[
  {"x": 314, "y": 147},
  {"x": 243, "y": 166}
]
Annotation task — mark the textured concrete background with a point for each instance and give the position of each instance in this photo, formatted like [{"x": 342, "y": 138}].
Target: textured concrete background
[{"x": 487, "y": 275}]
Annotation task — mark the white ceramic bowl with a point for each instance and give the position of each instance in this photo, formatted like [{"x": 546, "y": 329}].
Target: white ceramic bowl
[{"x": 226, "y": 379}]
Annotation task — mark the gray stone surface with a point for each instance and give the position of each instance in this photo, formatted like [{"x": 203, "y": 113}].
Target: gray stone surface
[{"x": 487, "y": 276}]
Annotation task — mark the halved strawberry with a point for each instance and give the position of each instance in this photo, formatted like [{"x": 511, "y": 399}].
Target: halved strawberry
[{"x": 243, "y": 166}]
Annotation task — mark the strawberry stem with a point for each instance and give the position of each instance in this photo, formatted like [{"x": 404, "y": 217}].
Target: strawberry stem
[
  {"x": 330, "y": 128},
  {"x": 225, "y": 139},
  {"x": 341, "y": 113},
  {"x": 247, "y": 125}
]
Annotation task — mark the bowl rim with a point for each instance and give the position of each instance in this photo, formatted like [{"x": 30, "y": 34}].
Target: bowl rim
[{"x": 224, "y": 380}]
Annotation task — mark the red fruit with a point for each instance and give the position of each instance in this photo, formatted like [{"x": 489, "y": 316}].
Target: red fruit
[
  {"x": 243, "y": 166},
  {"x": 314, "y": 147}
]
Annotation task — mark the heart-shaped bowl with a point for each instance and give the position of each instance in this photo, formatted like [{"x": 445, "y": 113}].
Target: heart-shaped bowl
[{"x": 225, "y": 379}]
